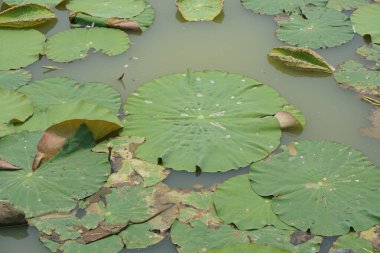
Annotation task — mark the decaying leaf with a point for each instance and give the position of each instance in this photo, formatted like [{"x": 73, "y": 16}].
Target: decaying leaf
[
  {"x": 374, "y": 130},
  {"x": 200, "y": 10},
  {"x": 4, "y": 165},
  {"x": 371, "y": 100},
  {"x": 371, "y": 53},
  {"x": 27, "y": 15},
  {"x": 372, "y": 235},
  {"x": 366, "y": 21},
  {"x": 299, "y": 58}
]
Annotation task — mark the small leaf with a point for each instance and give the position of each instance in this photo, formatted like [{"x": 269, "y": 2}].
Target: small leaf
[
  {"x": 371, "y": 53},
  {"x": 200, "y": 10},
  {"x": 303, "y": 59}
]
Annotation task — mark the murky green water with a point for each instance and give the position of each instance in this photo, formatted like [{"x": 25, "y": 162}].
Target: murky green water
[{"x": 238, "y": 42}]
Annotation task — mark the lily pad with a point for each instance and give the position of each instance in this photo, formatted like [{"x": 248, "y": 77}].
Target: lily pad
[
  {"x": 247, "y": 248},
  {"x": 214, "y": 120},
  {"x": 273, "y": 7},
  {"x": 62, "y": 90},
  {"x": 371, "y": 53},
  {"x": 322, "y": 186},
  {"x": 20, "y": 47},
  {"x": 108, "y": 8},
  {"x": 112, "y": 244},
  {"x": 200, "y": 10},
  {"x": 14, "y": 79},
  {"x": 351, "y": 242},
  {"x": 342, "y": 5},
  {"x": 14, "y": 106},
  {"x": 303, "y": 59},
  {"x": 49, "y": 3},
  {"x": 49, "y": 189},
  {"x": 355, "y": 76},
  {"x": 315, "y": 28},
  {"x": 74, "y": 44},
  {"x": 27, "y": 15},
  {"x": 366, "y": 21},
  {"x": 236, "y": 202}
]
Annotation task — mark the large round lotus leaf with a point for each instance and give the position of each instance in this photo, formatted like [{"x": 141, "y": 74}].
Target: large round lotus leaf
[
  {"x": 20, "y": 47},
  {"x": 14, "y": 79},
  {"x": 112, "y": 244},
  {"x": 236, "y": 202},
  {"x": 371, "y": 53},
  {"x": 26, "y": 15},
  {"x": 354, "y": 75},
  {"x": 214, "y": 120},
  {"x": 353, "y": 242},
  {"x": 366, "y": 20},
  {"x": 247, "y": 248},
  {"x": 14, "y": 106},
  {"x": 108, "y": 8},
  {"x": 198, "y": 10},
  {"x": 316, "y": 28},
  {"x": 272, "y": 7},
  {"x": 342, "y": 5},
  {"x": 322, "y": 186},
  {"x": 74, "y": 44},
  {"x": 50, "y": 187},
  {"x": 61, "y": 90},
  {"x": 49, "y": 3}
]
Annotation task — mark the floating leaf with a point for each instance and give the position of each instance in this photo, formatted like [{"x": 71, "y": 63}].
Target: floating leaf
[
  {"x": 372, "y": 235},
  {"x": 247, "y": 248},
  {"x": 62, "y": 90},
  {"x": 351, "y": 242},
  {"x": 272, "y": 7},
  {"x": 374, "y": 130},
  {"x": 49, "y": 3},
  {"x": 146, "y": 18},
  {"x": 14, "y": 79},
  {"x": 200, "y": 10},
  {"x": 366, "y": 20},
  {"x": 112, "y": 244},
  {"x": 74, "y": 44},
  {"x": 20, "y": 47},
  {"x": 323, "y": 186},
  {"x": 371, "y": 53},
  {"x": 342, "y": 5},
  {"x": 108, "y": 8},
  {"x": 237, "y": 203},
  {"x": 14, "y": 106},
  {"x": 27, "y": 15},
  {"x": 355, "y": 76},
  {"x": 214, "y": 120},
  {"x": 303, "y": 59},
  {"x": 50, "y": 188},
  {"x": 315, "y": 28}
]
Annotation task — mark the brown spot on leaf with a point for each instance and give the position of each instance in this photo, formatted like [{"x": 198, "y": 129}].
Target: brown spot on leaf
[{"x": 299, "y": 237}]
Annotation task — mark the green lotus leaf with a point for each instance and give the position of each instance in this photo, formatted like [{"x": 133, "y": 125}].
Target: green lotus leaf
[
  {"x": 20, "y": 47},
  {"x": 14, "y": 79},
  {"x": 111, "y": 244},
  {"x": 303, "y": 59},
  {"x": 342, "y": 5},
  {"x": 200, "y": 10},
  {"x": 108, "y": 8},
  {"x": 50, "y": 188},
  {"x": 74, "y": 44},
  {"x": 14, "y": 106},
  {"x": 371, "y": 53},
  {"x": 353, "y": 242},
  {"x": 51, "y": 245},
  {"x": 214, "y": 120},
  {"x": 101, "y": 120},
  {"x": 322, "y": 186},
  {"x": 27, "y": 15},
  {"x": 366, "y": 20},
  {"x": 247, "y": 248},
  {"x": 49, "y": 3},
  {"x": 355, "y": 76},
  {"x": 145, "y": 19},
  {"x": 236, "y": 202},
  {"x": 62, "y": 90},
  {"x": 273, "y": 7},
  {"x": 315, "y": 28}
]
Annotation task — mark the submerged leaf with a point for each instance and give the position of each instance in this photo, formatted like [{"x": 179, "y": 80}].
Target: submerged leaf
[
  {"x": 366, "y": 20},
  {"x": 371, "y": 53},
  {"x": 342, "y": 5},
  {"x": 325, "y": 187},
  {"x": 20, "y": 47},
  {"x": 74, "y": 44},
  {"x": 247, "y": 248},
  {"x": 273, "y": 7},
  {"x": 351, "y": 242},
  {"x": 200, "y": 10},
  {"x": 14, "y": 79},
  {"x": 214, "y": 120},
  {"x": 303, "y": 59},
  {"x": 315, "y": 28},
  {"x": 374, "y": 130},
  {"x": 27, "y": 15},
  {"x": 49, "y": 3}
]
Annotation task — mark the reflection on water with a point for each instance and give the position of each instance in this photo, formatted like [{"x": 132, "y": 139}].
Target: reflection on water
[{"x": 238, "y": 42}]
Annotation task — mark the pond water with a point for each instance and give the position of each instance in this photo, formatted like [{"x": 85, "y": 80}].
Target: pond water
[{"x": 237, "y": 42}]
